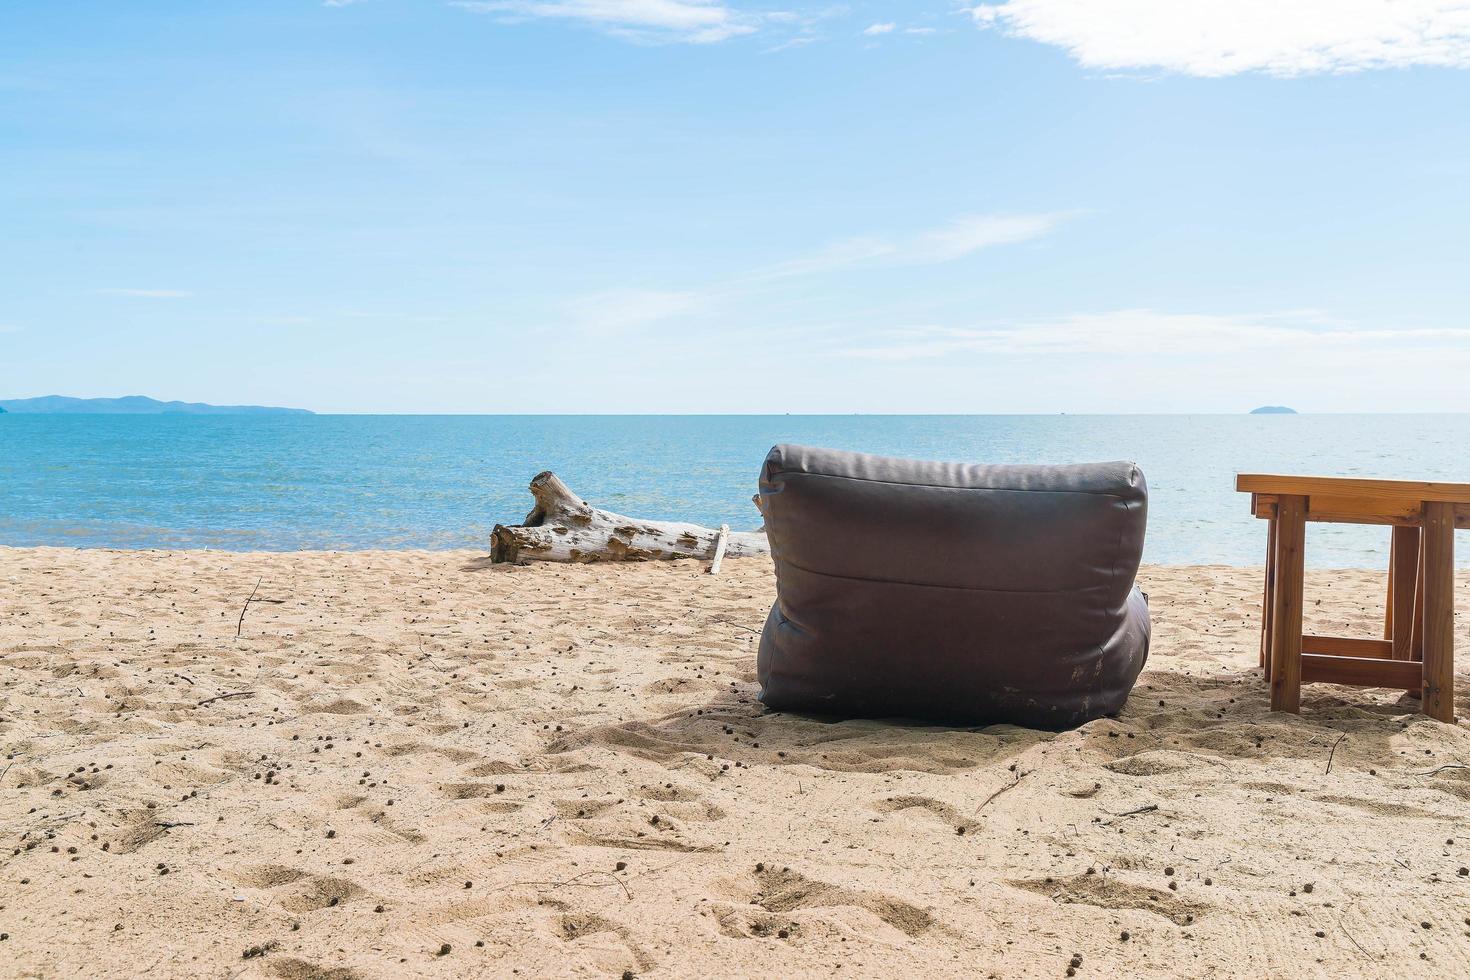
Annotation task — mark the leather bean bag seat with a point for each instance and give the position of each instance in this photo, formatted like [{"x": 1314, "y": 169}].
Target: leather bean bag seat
[{"x": 955, "y": 593}]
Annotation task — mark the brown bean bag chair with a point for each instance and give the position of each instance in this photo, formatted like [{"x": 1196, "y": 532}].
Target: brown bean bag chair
[{"x": 963, "y": 594}]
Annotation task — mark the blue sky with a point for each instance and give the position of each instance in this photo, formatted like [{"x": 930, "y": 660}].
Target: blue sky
[{"x": 706, "y": 206}]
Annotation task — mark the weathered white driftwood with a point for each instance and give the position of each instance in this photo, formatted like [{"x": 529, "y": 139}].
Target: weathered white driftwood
[
  {"x": 722, "y": 542},
  {"x": 564, "y": 527}
]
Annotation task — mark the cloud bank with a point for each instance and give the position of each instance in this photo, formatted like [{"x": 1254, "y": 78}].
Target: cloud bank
[
  {"x": 651, "y": 21},
  {"x": 1214, "y": 38}
]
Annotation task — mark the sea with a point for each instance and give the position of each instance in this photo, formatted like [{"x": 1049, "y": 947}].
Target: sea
[{"x": 343, "y": 482}]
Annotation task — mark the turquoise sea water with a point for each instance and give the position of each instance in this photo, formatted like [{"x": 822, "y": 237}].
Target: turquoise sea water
[{"x": 345, "y": 482}]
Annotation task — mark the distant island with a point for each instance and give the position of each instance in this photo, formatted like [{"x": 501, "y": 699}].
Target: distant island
[
  {"x": 1273, "y": 410},
  {"x": 131, "y": 405}
]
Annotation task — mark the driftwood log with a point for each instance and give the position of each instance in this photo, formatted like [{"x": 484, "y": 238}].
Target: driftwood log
[{"x": 564, "y": 527}]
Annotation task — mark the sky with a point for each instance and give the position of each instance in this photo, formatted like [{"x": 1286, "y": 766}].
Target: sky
[{"x": 747, "y": 206}]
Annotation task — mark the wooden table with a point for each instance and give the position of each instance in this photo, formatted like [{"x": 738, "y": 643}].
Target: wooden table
[{"x": 1416, "y": 653}]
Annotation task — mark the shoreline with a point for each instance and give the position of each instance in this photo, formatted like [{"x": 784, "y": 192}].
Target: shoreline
[
  {"x": 476, "y": 554},
  {"x": 568, "y": 765}
]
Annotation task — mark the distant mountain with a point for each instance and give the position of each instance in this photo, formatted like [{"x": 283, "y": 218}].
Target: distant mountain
[
  {"x": 1273, "y": 410},
  {"x": 131, "y": 405}
]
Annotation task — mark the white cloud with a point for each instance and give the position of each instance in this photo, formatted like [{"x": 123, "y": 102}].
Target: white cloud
[
  {"x": 959, "y": 238},
  {"x": 147, "y": 293},
  {"x": 1214, "y": 38},
  {"x": 970, "y": 234},
  {"x": 691, "y": 21},
  {"x": 889, "y": 27},
  {"x": 1145, "y": 332},
  {"x": 619, "y": 310},
  {"x": 800, "y": 41}
]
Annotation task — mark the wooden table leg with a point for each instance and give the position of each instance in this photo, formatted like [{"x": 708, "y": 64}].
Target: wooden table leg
[
  {"x": 1286, "y": 603},
  {"x": 1393, "y": 550},
  {"x": 1416, "y": 628},
  {"x": 1266, "y": 599},
  {"x": 1439, "y": 610},
  {"x": 1403, "y": 573}
]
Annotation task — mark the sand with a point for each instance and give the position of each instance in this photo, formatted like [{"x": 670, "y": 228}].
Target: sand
[{"x": 418, "y": 764}]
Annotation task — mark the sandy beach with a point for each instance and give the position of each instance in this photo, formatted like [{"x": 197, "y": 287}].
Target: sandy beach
[{"x": 416, "y": 763}]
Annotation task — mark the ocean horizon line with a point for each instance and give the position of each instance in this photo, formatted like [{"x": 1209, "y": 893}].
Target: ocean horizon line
[{"x": 318, "y": 414}]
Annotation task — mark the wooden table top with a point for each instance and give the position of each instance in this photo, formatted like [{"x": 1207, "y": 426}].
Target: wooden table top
[{"x": 1345, "y": 486}]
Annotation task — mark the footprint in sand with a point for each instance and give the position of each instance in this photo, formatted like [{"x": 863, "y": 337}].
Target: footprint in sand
[
  {"x": 1106, "y": 892},
  {"x": 471, "y": 791},
  {"x": 787, "y": 891},
  {"x": 1380, "y": 808},
  {"x": 404, "y": 748},
  {"x": 292, "y": 968},
  {"x": 339, "y": 706},
  {"x": 679, "y": 685},
  {"x": 574, "y": 926},
  {"x": 384, "y": 823},
  {"x": 581, "y": 809},
  {"x": 143, "y": 828},
  {"x": 668, "y": 793},
  {"x": 266, "y": 876},
  {"x": 493, "y": 767},
  {"x": 943, "y": 812},
  {"x": 741, "y": 923},
  {"x": 1158, "y": 762},
  {"x": 681, "y": 803},
  {"x": 321, "y": 893}
]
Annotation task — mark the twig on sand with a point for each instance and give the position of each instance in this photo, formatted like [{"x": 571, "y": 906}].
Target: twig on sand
[
  {"x": 574, "y": 881},
  {"x": 432, "y": 662},
  {"x": 246, "y": 608},
  {"x": 1333, "y": 751},
  {"x": 1133, "y": 813},
  {"x": 224, "y": 697},
  {"x": 737, "y": 626},
  {"x": 240, "y": 625},
  {"x": 171, "y": 824},
  {"x": 1008, "y": 786},
  {"x": 1355, "y": 942}
]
